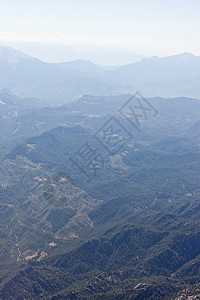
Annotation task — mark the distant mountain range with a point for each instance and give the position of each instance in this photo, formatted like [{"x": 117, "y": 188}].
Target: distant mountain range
[{"x": 58, "y": 83}]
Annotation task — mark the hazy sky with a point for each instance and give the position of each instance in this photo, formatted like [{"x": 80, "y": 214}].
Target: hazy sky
[{"x": 147, "y": 27}]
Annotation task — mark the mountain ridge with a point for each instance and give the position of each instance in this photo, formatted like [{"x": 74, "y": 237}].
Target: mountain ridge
[{"x": 57, "y": 83}]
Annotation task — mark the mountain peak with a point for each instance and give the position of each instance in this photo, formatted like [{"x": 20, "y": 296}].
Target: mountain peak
[
  {"x": 7, "y": 51},
  {"x": 83, "y": 65},
  {"x": 186, "y": 54},
  {"x": 13, "y": 56}
]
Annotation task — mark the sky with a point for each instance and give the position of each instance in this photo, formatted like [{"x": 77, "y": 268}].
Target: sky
[{"x": 101, "y": 29}]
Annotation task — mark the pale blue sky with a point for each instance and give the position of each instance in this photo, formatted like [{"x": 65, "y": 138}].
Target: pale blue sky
[{"x": 147, "y": 27}]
